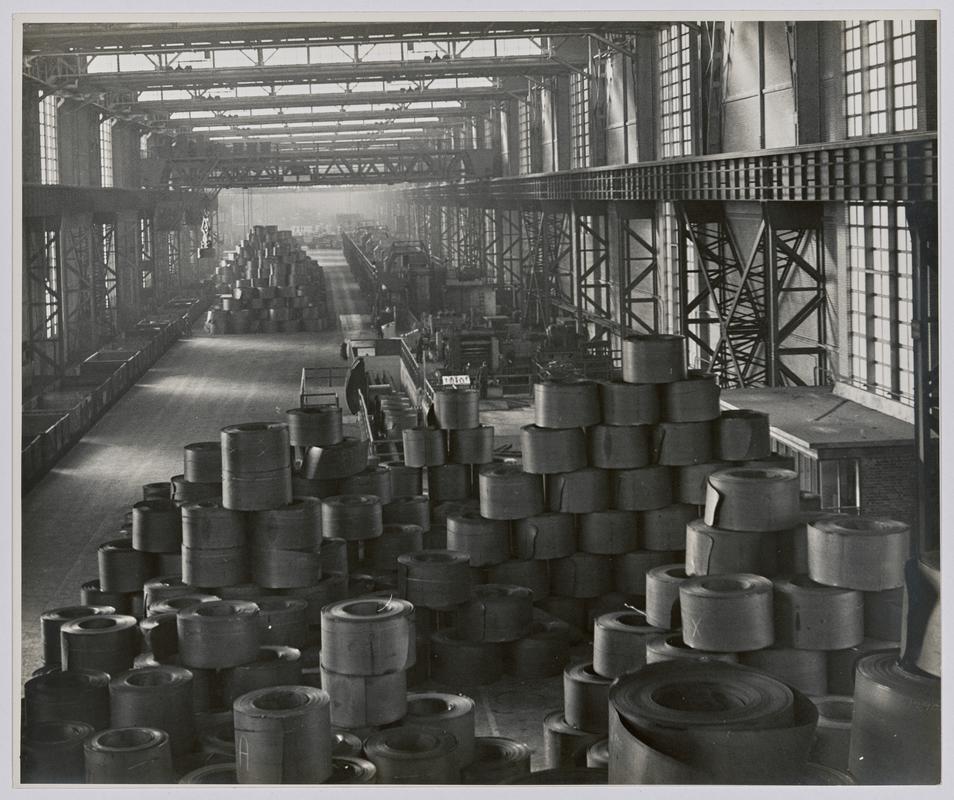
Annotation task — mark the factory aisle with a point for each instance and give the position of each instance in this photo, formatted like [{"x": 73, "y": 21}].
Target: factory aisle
[{"x": 352, "y": 308}]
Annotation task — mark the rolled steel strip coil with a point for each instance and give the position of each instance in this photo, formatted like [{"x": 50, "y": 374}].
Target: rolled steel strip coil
[
  {"x": 128, "y": 755},
  {"x": 597, "y": 755},
  {"x": 544, "y": 536},
  {"x": 582, "y": 491},
  {"x": 52, "y": 752},
  {"x": 448, "y": 713},
  {"x": 457, "y": 663},
  {"x": 866, "y": 553},
  {"x": 283, "y": 735},
  {"x": 104, "y": 643},
  {"x": 630, "y": 569},
  {"x": 496, "y": 759},
  {"x": 842, "y": 663},
  {"x": 368, "y": 636},
  {"x": 567, "y": 403},
  {"x": 715, "y": 551},
  {"x": 485, "y": 541},
  {"x": 507, "y": 492},
  {"x": 883, "y": 613},
  {"x": 264, "y": 490},
  {"x": 207, "y": 525},
  {"x": 471, "y": 446},
  {"x": 680, "y": 444},
  {"x": 810, "y": 616},
  {"x": 424, "y": 447},
  {"x": 619, "y": 643},
  {"x": 80, "y": 695},
  {"x": 581, "y": 575},
  {"x": 335, "y": 461},
  {"x": 542, "y": 653},
  {"x": 352, "y": 769},
  {"x": 352, "y": 517},
  {"x": 456, "y": 408},
  {"x": 361, "y": 585},
  {"x": 52, "y": 620},
  {"x": 805, "y": 670},
  {"x": 744, "y": 499},
  {"x": 610, "y": 602},
  {"x": 628, "y": 403},
  {"x": 671, "y": 647},
  {"x": 742, "y": 435},
  {"x": 617, "y": 447},
  {"x": 160, "y": 490},
  {"x": 202, "y": 462},
  {"x": 160, "y": 635},
  {"x": 319, "y": 487},
  {"x": 438, "y": 579},
  {"x": 533, "y": 575},
  {"x": 641, "y": 489},
  {"x": 362, "y": 701},
  {"x": 563, "y": 745},
  {"x": 221, "y": 567},
  {"x": 727, "y": 613},
  {"x": 251, "y": 448},
  {"x": 496, "y": 613},
  {"x": 548, "y": 450},
  {"x": 833, "y": 734},
  {"x": 608, "y": 532},
  {"x": 695, "y": 399},
  {"x": 381, "y": 554},
  {"x": 219, "y": 634},
  {"x": 296, "y": 526},
  {"x": 772, "y": 461},
  {"x": 691, "y": 482},
  {"x": 275, "y": 666},
  {"x": 184, "y": 491},
  {"x": 330, "y": 589},
  {"x": 793, "y": 544},
  {"x": 408, "y": 510},
  {"x": 212, "y": 774},
  {"x": 654, "y": 358},
  {"x": 372, "y": 480},
  {"x": 585, "y": 698},
  {"x": 405, "y": 480},
  {"x": 662, "y": 595},
  {"x": 334, "y": 556},
  {"x": 157, "y": 527},
  {"x": 284, "y": 620},
  {"x": 314, "y": 426},
  {"x": 665, "y": 528},
  {"x": 155, "y": 697},
  {"x": 164, "y": 587},
  {"x": 173, "y": 605},
  {"x": 896, "y": 724},
  {"x": 920, "y": 633},
  {"x": 346, "y": 744},
  {"x": 409, "y": 754},
  {"x": 448, "y": 482},
  {"x": 707, "y": 723}
]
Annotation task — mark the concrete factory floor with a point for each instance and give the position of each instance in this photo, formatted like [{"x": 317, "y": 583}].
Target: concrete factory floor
[{"x": 201, "y": 384}]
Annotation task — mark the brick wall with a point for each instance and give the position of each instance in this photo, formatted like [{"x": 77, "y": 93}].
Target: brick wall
[{"x": 888, "y": 486}]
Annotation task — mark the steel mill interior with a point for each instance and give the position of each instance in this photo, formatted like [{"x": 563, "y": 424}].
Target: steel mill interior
[{"x": 479, "y": 402}]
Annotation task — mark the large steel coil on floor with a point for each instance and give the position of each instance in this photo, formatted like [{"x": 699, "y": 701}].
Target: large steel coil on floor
[
  {"x": 362, "y": 701},
  {"x": 329, "y": 589},
  {"x": 608, "y": 532},
  {"x": 275, "y": 666},
  {"x": 833, "y": 734},
  {"x": 496, "y": 760},
  {"x": 185, "y": 491},
  {"x": 437, "y": 579},
  {"x": 381, "y": 554},
  {"x": 160, "y": 635},
  {"x": 866, "y": 553},
  {"x": 335, "y": 461},
  {"x": 256, "y": 466},
  {"x": 496, "y": 613},
  {"x": 695, "y": 399},
  {"x": 457, "y": 663},
  {"x": 680, "y": 444},
  {"x": 51, "y": 621},
  {"x": 568, "y": 403},
  {"x": 641, "y": 489},
  {"x": 711, "y": 723},
  {"x": 805, "y": 670},
  {"x": 581, "y": 575},
  {"x": 665, "y": 528},
  {"x": 662, "y": 595},
  {"x": 374, "y": 480},
  {"x": 174, "y": 605},
  {"x": 727, "y": 613},
  {"x": 547, "y": 450},
  {"x": 52, "y": 752},
  {"x": 628, "y": 403},
  {"x": 542, "y": 653},
  {"x": 202, "y": 462},
  {"x": 424, "y": 447},
  {"x": 283, "y": 735},
  {"x": 896, "y": 724},
  {"x": 352, "y": 517},
  {"x": 123, "y": 569},
  {"x": 471, "y": 445},
  {"x": 317, "y": 487},
  {"x": 408, "y": 510},
  {"x": 448, "y": 713},
  {"x": 532, "y": 574},
  {"x": 565, "y": 746},
  {"x": 921, "y": 609},
  {"x": 352, "y": 769},
  {"x": 314, "y": 426},
  {"x": 544, "y": 536},
  {"x": 208, "y": 525},
  {"x": 219, "y": 634},
  {"x": 155, "y": 697},
  {"x": 80, "y": 695},
  {"x": 714, "y": 551},
  {"x": 485, "y": 541},
  {"x": 411, "y": 755},
  {"x": 160, "y": 490},
  {"x": 128, "y": 755},
  {"x": 221, "y": 774},
  {"x": 842, "y": 664},
  {"x": 630, "y": 569},
  {"x": 742, "y": 435},
  {"x": 368, "y": 636},
  {"x": 617, "y": 446},
  {"x": 582, "y": 491},
  {"x": 105, "y": 642},
  {"x": 743, "y": 499},
  {"x": 284, "y": 620},
  {"x": 585, "y": 696},
  {"x": 810, "y": 616},
  {"x": 456, "y": 408},
  {"x": 295, "y": 526},
  {"x": 691, "y": 482},
  {"x": 619, "y": 643},
  {"x": 220, "y": 567},
  {"x": 405, "y": 480},
  {"x": 507, "y": 492},
  {"x": 654, "y": 358},
  {"x": 448, "y": 483}
]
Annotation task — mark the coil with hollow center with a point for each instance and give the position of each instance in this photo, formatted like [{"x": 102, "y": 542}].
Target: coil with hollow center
[
  {"x": 202, "y": 462},
  {"x": 335, "y": 461},
  {"x": 367, "y": 636},
  {"x": 314, "y": 426},
  {"x": 654, "y": 358},
  {"x": 352, "y": 517},
  {"x": 727, "y": 613},
  {"x": 155, "y": 697},
  {"x": 104, "y": 642},
  {"x": 52, "y": 752},
  {"x": 866, "y": 553},
  {"x": 448, "y": 713},
  {"x": 619, "y": 643},
  {"x": 456, "y": 408},
  {"x": 436, "y": 579},
  {"x": 810, "y": 616},
  {"x": 219, "y": 634},
  {"x": 745, "y": 499},
  {"x": 485, "y": 541},
  {"x": 129, "y": 755},
  {"x": 497, "y": 759},
  {"x": 507, "y": 492},
  {"x": 412, "y": 755}
]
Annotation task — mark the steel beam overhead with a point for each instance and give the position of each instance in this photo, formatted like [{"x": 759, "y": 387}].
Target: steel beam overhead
[{"x": 250, "y": 121}]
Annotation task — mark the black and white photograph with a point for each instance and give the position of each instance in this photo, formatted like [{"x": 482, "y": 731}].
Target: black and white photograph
[{"x": 453, "y": 397}]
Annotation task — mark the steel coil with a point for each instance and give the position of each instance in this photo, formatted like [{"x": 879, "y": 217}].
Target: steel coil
[
  {"x": 381, "y": 554},
  {"x": 691, "y": 482},
  {"x": 629, "y": 569},
  {"x": 80, "y": 695},
  {"x": 496, "y": 613},
  {"x": 352, "y": 517},
  {"x": 563, "y": 745},
  {"x": 405, "y": 481},
  {"x": 810, "y": 616},
  {"x": 585, "y": 698},
  {"x": 920, "y": 633},
  {"x": 617, "y": 447},
  {"x": 866, "y": 553},
  {"x": 368, "y": 636},
  {"x": 160, "y": 636},
  {"x": 283, "y": 735},
  {"x": 319, "y": 487},
  {"x": 457, "y": 663},
  {"x": 219, "y": 567},
  {"x": 128, "y": 755},
  {"x": 744, "y": 499},
  {"x": 665, "y": 528},
  {"x": 160, "y": 490},
  {"x": 155, "y": 697},
  {"x": 597, "y": 755},
  {"x": 608, "y": 532},
  {"x": 833, "y": 734},
  {"x": 619, "y": 643},
  {"x": 542, "y": 653},
  {"x": 581, "y": 575},
  {"x": 346, "y": 744},
  {"x": 711, "y": 723},
  {"x": 628, "y": 403},
  {"x": 842, "y": 663},
  {"x": 334, "y": 556},
  {"x": 695, "y": 399},
  {"x": 104, "y": 643},
  {"x": 507, "y": 492},
  {"x": 544, "y": 536},
  {"x": 296, "y": 526},
  {"x": 202, "y": 462},
  {"x": 264, "y": 490},
  {"x": 207, "y": 525},
  {"x": 654, "y": 358},
  {"x": 252, "y": 448},
  {"x": 438, "y": 579},
  {"x": 570, "y": 610},
  {"x": 184, "y": 491},
  {"x": 714, "y": 551},
  {"x": 662, "y": 595},
  {"x": 471, "y": 445},
  {"x": 680, "y": 444},
  {"x": 314, "y": 426},
  {"x": 411, "y": 755},
  {"x": 485, "y": 541},
  {"x": 742, "y": 435},
  {"x": 52, "y": 752},
  {"x": 805, "y": 670},
  {"x": 372, "y": 480},
  {"x": 727, "y": 613},
  {"x": 335, "y": 461},
  {"x": 284, "y": 620},
  {"x": 219, "y": 774},
  {"x": 164, "y": 587},
  {"x": 641, "y": 489},
  {"x": 456, "y": 408},
  {"x": 448, "y": 483},
  {"x": 896, "y": 724},
  {"x": 448, "y": 713},
  {"x": 408, "y": 510},
  {"x": 361, "y": 701},
  {"x": 533, "y": 575},
  {"x": 330, "y": 589},
  {"x": 51, "y": 621},
  {"x": 424, "y": 447},
  {"x": 582, "y": 491},
  {"x": 275, "y": 666},
  {"x": 549, "y": 450},
  {"x": 285, "y": 568},
  {"x": 123, "y": 569},
  {"x": 568, "y": 403},
  {"x": 497, "y": 759},
  {"x": 352, "y": 769},
  {"x": 219, "y": 634},
  {"x": 173, "y": 605}
]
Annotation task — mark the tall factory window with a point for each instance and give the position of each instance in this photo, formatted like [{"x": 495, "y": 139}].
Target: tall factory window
[
  {"x": 49, "y": 161},
  {"x": 579, "y": 120},
  {"x": 526, "y": 135},
  {"x": 106, "y": 152},
  {"x": 144, "y": 146},
  {"x": 880, "y": 77},
  {"x": 675, "y": 69},
  {"x": 880, "y": 300}
]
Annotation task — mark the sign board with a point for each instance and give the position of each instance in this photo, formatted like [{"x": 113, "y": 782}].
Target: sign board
[{"x": 455, "y": 380}]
